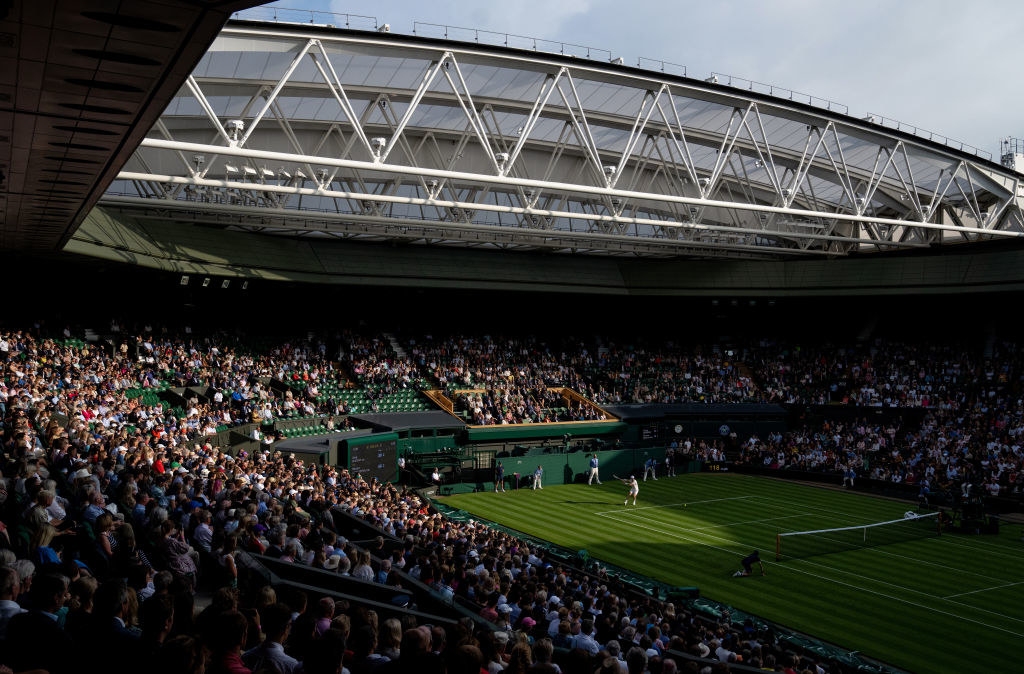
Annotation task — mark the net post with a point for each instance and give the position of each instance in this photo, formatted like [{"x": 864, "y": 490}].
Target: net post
[{"x": 778, "y": 547}]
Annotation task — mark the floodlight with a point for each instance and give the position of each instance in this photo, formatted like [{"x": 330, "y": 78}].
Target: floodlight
[
  {"x": 206, "y": 282},
  {"x": 184, "y": 280},
  {"x": 235, "y": 128}
]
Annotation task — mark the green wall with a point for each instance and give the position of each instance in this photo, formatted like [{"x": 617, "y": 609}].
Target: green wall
[
  {"x": 425, "y": 445},
  {"x": 569, "y": 468},
  {"x": 501, "y": 433}
]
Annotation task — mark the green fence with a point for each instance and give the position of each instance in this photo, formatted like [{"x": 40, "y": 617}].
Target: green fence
[
  {"x": 573, "y": 467},
  {"x": 539, "y": 431}
]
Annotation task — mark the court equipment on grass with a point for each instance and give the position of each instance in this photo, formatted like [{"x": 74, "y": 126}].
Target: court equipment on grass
[{"x": 798, "y": 544}]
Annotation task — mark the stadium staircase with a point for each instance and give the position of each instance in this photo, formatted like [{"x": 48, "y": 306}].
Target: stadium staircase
[{"x": 395, "y": 345}]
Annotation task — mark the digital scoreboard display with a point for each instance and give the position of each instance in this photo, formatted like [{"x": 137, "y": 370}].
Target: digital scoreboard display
[{"x": 377, "y": 459}]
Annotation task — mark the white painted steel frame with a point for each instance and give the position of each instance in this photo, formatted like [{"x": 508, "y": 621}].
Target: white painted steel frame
[{"x": 671, "y": 205}]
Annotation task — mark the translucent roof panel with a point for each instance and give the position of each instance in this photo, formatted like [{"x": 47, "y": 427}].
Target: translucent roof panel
[{"x": 708, "y": 156}]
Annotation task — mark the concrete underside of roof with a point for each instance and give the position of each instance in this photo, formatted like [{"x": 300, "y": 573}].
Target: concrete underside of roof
[{"x": 80, "y": 85}]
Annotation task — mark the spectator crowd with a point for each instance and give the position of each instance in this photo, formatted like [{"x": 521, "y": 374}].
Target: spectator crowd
[{"x": 117, "y": 507}]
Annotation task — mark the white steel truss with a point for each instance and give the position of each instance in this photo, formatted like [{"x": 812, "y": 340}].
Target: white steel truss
[{"x": 300, "y": 131}]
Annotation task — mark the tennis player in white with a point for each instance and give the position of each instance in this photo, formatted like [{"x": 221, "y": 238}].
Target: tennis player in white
[{"x": 634, "y": 489}]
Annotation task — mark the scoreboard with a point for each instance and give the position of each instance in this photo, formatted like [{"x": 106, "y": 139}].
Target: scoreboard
[{"x": 374, "y": 457}]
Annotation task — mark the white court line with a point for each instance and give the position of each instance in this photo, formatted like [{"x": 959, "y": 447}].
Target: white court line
[
  {"x": 985, "y": 589},
  {"x": 736, "y": 524},
  {"x": 673, "y": 505},
  {"x": 989, "y": 549},
  {"x": 938, "y": 539},
  {"x": 908, "y": 589},
  {"x": 837, "y": 582},
  {"x": 917, "y": 560},
  {"x": 826, "y": 510},
  {"x": 901, "y": 587}
]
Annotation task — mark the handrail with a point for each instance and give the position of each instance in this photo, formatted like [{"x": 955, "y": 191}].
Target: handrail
[
  {"x": 890, "y": 123},
  {"x": 307, "y": 16},
  {"x": 510, "y": 40},
  {"x": 662, "y": 66},
  {"x": 541, "y": 45},
  {"x": 777, "y": 91},
  {"x": 440, "y": 399}
]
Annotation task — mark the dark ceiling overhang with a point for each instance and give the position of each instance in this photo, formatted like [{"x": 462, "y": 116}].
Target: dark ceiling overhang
[{"x": 81, "y": 83}]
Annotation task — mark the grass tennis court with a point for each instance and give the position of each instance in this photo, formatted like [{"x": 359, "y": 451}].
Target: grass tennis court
[{"x": 926, "y": 605}]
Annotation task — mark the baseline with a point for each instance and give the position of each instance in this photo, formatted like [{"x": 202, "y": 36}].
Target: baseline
[
  {"x": 834, "y": 580},
  {"x": 681, "y": 503}
]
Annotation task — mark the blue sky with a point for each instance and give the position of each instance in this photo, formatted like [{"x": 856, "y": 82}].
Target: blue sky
[{"x": 954, "y": 68}]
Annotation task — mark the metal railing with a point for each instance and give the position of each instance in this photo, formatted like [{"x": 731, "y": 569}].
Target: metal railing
[
  {"x": 541, "y": 45},
  {"x": 661, "y": 66},
  {"x": 890, "y": 123},
  {"x": 439, "y": 30},
  {"x": 777, "y": 91},
  {"x": 307, "y": 17}
]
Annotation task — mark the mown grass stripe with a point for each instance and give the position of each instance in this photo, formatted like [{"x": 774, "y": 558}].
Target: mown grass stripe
[{"x": 925, "y": 571}]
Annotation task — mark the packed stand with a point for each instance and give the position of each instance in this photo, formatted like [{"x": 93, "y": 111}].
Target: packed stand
[
  {"x": 111, "y": 514},
  {"x": 974, "y": 450},
  {"x": 882, "y": 373},
  {"x": 477, "y": 362},
  {"x": 668, "y": 373}
]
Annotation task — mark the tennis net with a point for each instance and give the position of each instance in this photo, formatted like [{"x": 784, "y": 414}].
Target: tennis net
[{"x": 798, "y": 544}]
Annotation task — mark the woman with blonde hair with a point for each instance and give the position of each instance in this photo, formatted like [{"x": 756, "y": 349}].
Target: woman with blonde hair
[
  {"x": 362, "y": 569},
  {"x": 390, "y": 641},
  {"x": 105, "y": 537},
  {"x": 42, "y": 553}
]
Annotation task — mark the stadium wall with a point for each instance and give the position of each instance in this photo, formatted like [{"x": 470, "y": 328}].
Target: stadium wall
[
  {"x": 573, "y": 467},
  {"x": 196, "y": 249}
]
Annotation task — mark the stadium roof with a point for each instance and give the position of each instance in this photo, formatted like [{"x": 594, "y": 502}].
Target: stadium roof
[
  {"x": 80, "y": 83},
  {"x": 317, "y": 131}
]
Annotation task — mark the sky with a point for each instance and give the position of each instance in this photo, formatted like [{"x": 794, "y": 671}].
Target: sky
[{"x": 953, "y": 68}]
